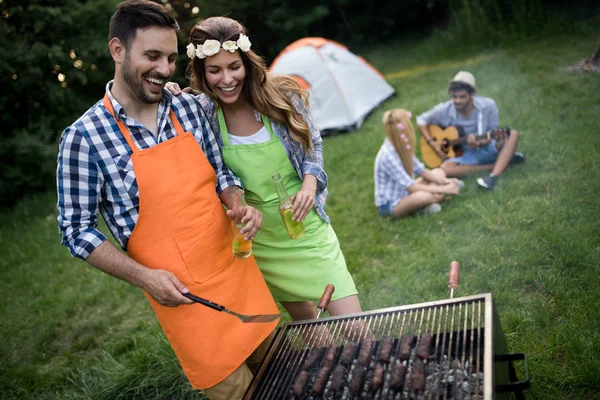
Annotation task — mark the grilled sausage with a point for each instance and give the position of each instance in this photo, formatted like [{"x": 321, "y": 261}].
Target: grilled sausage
[
  {"x": 397, "y": 376},
  {"x": 376, "y": 378},
  {"x": 424, "y": 347},
  {"x": 338, "y": 378},
  {"x": 348, "y": 353},
  {"x": 418, "y": 375},
  {"x": 331, "y": 353},
  {"x": 314, "y": 356},
  {"x": 318, "y": 386},
  {"x": 384, "y": 350},
  {"x": 405, "y": 342},
  {"x": 365, "y": 353},
  {"x": 300, "y": 384},
  {"x": 358, "y": 379}
]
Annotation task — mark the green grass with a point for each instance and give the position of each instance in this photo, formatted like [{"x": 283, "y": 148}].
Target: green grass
[{"x": 69, "y": 331}]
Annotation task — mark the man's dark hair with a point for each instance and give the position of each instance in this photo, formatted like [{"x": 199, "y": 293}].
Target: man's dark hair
[
  {"x": 132, "y": 15},
  {"x": 456, "y": 86}
]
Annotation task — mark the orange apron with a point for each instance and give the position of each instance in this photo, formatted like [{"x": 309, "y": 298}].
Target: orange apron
[{"x": 182, "y": 228}]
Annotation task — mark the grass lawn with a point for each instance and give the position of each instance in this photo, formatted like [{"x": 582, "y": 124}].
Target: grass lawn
[{"x": 68, "y": 331}]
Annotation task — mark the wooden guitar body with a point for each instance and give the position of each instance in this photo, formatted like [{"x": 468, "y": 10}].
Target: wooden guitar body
[
  {"x": 443, "y": 136},
  {"x": 451, "y": 141}
]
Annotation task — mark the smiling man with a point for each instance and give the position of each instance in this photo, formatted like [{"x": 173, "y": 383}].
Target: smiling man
[
  {"x": 149, "y": 163},
  {"x": 476, "y": 115}
]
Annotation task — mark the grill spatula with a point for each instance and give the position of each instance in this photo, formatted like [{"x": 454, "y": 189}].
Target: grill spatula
[{"x": 242, "y": 317}]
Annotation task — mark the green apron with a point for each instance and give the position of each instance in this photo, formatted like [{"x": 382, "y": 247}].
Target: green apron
[{"x": 295, "y": 270}]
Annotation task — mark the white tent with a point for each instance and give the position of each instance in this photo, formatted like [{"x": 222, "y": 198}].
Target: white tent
[{"x": 343, "y": 87}]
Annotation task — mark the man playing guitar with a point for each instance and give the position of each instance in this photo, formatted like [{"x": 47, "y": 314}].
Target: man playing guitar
[{"x": 476, "y": 115}]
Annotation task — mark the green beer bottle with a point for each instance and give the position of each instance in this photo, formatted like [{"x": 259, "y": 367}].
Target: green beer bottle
[{"x": 295, "y": 229}]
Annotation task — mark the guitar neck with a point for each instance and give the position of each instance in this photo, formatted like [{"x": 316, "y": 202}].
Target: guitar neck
[{"x": 464, "y": 140}]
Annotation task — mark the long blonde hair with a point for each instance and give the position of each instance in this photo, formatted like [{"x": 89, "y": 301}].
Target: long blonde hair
[
  {"x": 400, "y": 132},
  {"x": 268, "y": 94}
]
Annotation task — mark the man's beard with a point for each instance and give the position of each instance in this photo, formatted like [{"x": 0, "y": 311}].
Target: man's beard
[
  {"x": 460, "y": 107},
  {"x": 136, "y": 85}
]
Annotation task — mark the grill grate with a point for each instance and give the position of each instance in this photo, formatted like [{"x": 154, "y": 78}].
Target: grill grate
[{"x": 432, "y": 350}]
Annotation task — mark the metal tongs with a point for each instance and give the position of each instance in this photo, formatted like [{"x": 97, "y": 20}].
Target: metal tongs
[{"x": 242, "y": 317}]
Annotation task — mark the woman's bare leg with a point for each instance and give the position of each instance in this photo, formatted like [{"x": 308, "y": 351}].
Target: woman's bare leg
[
  {"x": 415, "y": 201},
  {"x": 300, "y": 310}
]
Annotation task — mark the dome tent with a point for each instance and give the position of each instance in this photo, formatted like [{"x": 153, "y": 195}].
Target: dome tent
[{"x": 344, "y": 88}]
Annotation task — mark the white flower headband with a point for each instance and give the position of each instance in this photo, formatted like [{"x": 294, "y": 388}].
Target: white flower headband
[{"x": 211, "y": 47}]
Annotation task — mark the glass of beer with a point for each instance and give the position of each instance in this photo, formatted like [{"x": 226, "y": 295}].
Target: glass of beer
[{"x": 241, "y": 248}]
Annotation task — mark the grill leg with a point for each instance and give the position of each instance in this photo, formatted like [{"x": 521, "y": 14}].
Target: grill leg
[{"x": 512, "y": 373}]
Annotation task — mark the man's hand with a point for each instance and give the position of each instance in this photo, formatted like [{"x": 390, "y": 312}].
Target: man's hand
[
  {"x": 162, "y": 285},
  {"x": 471, "y": 141},
  {"x": 435, "y": 145},
  {"x": 165, "y": 288},
  {"x": 251, "y": 218}
]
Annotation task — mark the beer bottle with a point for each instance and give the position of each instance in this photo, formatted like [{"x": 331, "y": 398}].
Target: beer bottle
[
  {"x": 295, "y": 229},
  {"x": 241, "y": 248}
]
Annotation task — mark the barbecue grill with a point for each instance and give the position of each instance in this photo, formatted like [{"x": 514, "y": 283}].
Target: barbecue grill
[{"x": 447, "y": 349}]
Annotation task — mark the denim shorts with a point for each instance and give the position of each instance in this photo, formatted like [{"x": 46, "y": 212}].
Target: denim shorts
[
  {"x": 477, "y": 156},
  {"x": 386, "y": 209}
]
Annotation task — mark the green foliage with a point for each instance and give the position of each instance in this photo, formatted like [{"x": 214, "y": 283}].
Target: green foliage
[
  {"x": 484, "y": 23},
  {"x": 44, "y": 40},
  {"x": 38, "y": 41},
  {"x": 275, "y": 24},
  {"x": 28, "y": 165}
]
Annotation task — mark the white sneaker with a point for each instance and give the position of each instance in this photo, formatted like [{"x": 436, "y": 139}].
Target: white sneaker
[{"x": 433, "y": 208}]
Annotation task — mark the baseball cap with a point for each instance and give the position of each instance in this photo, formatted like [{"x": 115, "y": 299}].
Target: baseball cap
[{"x": 465, "y": 77}]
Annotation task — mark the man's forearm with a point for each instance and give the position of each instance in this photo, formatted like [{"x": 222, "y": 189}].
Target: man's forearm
[
  {"x": 424, "y": 132},
  {"x": 109, "y": 259},
  {"x": 228, "y": 196}
]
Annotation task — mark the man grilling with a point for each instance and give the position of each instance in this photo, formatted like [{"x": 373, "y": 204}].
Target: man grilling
[
  {"x": 149, "y": 163},
  {"x": 476, "y": 115}
]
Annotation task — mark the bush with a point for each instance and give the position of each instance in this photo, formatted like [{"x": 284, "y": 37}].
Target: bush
[{"x": 28, "y": 166}]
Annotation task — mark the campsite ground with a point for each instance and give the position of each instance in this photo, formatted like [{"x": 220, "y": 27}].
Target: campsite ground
[{"x": 71, "y": 332}]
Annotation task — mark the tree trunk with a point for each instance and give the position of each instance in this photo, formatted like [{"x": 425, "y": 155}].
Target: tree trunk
[{"x": 596, "y": 57}]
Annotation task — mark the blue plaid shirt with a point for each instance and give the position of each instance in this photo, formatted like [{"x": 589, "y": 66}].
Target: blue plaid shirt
[
  {"x": 301, "y": 161},
  {"x": 95, "y": 173},
  {"x": 391, "y": 179}
]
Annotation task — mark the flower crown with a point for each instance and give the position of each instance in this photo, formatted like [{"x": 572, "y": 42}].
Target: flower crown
[{"x": 211, "y": 47}]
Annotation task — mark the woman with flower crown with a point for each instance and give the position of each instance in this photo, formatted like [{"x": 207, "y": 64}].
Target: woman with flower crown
[
  {"x": 263, "y": 126},
  {"x": 398, "y": 191}
]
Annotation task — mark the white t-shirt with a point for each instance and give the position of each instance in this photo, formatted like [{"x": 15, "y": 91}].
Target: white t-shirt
[{"x": 261, "y": 136}]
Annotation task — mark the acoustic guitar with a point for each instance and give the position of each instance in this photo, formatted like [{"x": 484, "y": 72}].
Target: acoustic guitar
[{"x": 451, "y": 140}]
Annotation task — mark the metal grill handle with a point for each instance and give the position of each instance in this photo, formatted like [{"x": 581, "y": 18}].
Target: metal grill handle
[
  {"x": 453, "y": 276},
  {"x": 325, "y": 299}
]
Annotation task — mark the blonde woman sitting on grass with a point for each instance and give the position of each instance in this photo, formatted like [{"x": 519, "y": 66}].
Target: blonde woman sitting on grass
[{"x": 398, "y": 191}]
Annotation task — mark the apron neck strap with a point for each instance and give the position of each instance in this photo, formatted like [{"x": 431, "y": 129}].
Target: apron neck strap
[
  {"x": 122, "y": 127},
  {"x": 225, "y": 133},
  {"x": 125, "y": 131}
]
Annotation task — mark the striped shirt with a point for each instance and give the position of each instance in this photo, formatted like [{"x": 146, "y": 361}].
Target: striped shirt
[
  {"x": 95, "y": 172},
  {"x": 300, "y": 160},
  {"x": 391, "y": 179}
]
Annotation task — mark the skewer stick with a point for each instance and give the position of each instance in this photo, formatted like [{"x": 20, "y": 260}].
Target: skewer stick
[{"x": 453, "y": 276}]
